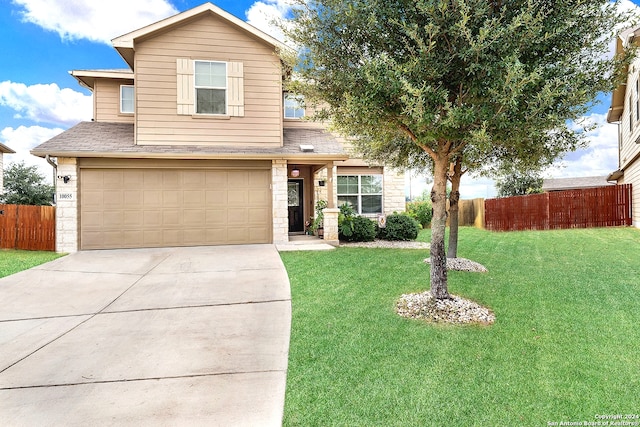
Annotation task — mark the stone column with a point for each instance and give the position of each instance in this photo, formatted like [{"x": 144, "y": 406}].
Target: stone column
[
  {"x": 67, "y": 206},
  {"x": 280, "y": 211},
  {"x": 330, "y": 222},
  {"x": 393, "y": 192}
]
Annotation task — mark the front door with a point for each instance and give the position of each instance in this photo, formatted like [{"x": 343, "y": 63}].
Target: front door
[{"x": 296, "y": 211}]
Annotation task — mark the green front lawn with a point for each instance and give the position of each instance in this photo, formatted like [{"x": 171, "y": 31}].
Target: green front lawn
[
  {"x": 565, "y": 345},
  {"x": 13, "y": 261}
]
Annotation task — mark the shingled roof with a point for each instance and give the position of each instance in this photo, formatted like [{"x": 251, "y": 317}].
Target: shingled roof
[
  {"x": 560, "y": 184},
  {"x": 100, "y": 139}
]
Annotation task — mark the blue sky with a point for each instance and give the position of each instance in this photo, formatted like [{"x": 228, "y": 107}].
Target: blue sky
[{"x": 42, "y": 40}]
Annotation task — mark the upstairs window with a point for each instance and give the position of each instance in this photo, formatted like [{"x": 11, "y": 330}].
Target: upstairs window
[
  {"x": 293, "y": 106},
  {"x": 638, "y": 100},
  {"x": 211, "y": 87},
  {"x": 362, "y": 192},
  {"x": 126, "y": 99}
]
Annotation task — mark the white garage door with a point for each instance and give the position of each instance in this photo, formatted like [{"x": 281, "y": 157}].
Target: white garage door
[{"x": 140, "y": 208}]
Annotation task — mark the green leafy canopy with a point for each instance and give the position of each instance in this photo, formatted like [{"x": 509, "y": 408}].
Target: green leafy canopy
[
  {"x": 407, "y": 77},
  {"x": 23, "y": 185}
]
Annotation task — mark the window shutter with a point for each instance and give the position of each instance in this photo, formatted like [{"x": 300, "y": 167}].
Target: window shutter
[
  {"x": 235, "y": 86},
  {"x": 185, "y": 86}
]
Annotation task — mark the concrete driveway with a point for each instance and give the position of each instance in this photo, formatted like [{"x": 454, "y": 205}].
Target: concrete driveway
[{"x": 178, "y": 336}]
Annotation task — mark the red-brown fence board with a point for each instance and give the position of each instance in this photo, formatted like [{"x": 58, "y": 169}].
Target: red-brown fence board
[
  {"x": 608, "y": 206},
  {"x": 28, "y": 227}
]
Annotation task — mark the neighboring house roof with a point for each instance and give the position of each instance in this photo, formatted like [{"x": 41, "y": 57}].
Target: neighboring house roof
[
  {"x": 559, "y": 184},
  {"x": 87, "y": 77},
  {"x": 101, "y": 139},
  {"x": 125, "y": 44},
  {"x": 5, "y": 150}
]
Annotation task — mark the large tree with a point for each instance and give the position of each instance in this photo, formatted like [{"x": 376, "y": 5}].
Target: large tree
[
  {"x": 24, "y": 185},
  {"x": 424, "y": 82}
]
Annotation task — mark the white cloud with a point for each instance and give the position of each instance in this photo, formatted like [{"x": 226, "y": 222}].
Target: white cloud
[
  {"x": 22, "y": 140},
  {"x": 46, "y": 103},
  {"x": 264, "y": 14},
  {"x": 598, "y": 159},
  {"x": 98, "y": 21}
]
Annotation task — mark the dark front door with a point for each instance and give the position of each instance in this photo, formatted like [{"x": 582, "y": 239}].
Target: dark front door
[{"x": 296, "y": 211}]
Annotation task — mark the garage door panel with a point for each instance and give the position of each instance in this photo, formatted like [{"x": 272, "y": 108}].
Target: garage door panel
[
  {"x": 152, "y": 179},
  {"x": 216, "y": 179},
  {"x": 194, "y": 198},
  {"x": 174, "y": 207},
  {"x": 112, "y": 179},
  {"x": 152, "y": 198},
  {"x": 113, "y": 219},
  {"x": 133, "y": 199},
  {"x": 152, "y": 219},
  {"x": 194, "y": 217},
  {"x": 237, "y": 197},
  {"x": 132, "y": 219}
]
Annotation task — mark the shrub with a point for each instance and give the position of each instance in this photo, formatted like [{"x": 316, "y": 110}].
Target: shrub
[
  {"x": 399, "y": 227},
  {"x": 354, "y": 228},
  {"x": 364, "y": 229},
  {"x": 421, "y": 211}
]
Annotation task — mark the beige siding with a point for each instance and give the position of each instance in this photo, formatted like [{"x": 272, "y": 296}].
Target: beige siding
[
  {"x": 632, "y": 176},
  {"x": 106, "y": 95},
  {"x": 630, "y": 132},
  {"x": 208, "y": 38}
]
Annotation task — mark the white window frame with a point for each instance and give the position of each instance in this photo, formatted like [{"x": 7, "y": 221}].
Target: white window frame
[
  {"x": 359, "y": 194},
  {"x": 122, "y": 111},
  {"x": 225, "y": 88},
  {"x": 294, "y": 98}
]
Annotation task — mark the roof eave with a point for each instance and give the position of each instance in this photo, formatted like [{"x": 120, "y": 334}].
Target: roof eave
[
  {"x": 87, "y": 78},
  {"x": 311, "y": 158},
  {"x": 6, "y": 150}
]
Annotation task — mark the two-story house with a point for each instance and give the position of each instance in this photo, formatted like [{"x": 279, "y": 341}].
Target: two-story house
[
  {"x": 625, "y": 111},
  {"x": 196, "y": 143}
]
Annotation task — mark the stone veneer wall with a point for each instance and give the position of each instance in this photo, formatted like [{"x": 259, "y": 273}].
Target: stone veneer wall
[
  {"x": 393, "y": 192},
  {"x": 67, "y": 206},
  {"x": 280, "y": 215}
]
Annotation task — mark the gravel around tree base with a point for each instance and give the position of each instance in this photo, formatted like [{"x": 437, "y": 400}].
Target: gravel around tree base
[
  {"x": 456, "y": 310},
  {"x": 462, "y": 264}
]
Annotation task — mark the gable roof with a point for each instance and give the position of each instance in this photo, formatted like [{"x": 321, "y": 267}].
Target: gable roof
[
  {"x": 116, "y": 140},
  {"x": 125, "y": 44},
  {"x": 560, "y": 184},
  {"x": 5, "y": 150}
]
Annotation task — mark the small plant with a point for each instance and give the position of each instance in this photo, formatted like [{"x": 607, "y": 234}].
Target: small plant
[
  {"x": 318, "y": 221},
  {"x": 399, "y": 227}
]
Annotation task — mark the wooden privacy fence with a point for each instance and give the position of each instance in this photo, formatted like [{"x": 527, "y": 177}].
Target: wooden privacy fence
[
  {"x": 28, "y": 227},
  {"x": 470, "y": 213},
  {"x": 593, "y": 207}
]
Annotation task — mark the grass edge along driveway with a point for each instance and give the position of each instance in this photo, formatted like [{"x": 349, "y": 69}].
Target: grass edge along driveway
[
  {"x": 565, "y": 345},
  {"x": 13, "y": 261}
]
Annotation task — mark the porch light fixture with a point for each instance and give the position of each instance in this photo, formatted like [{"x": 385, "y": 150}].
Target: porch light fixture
[{"x": 295, "y": 172}]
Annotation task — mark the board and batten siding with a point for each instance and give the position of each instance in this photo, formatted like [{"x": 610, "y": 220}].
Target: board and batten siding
[
  {"x": 207, "y": 38},
  {"x": 106, "y": 98}
]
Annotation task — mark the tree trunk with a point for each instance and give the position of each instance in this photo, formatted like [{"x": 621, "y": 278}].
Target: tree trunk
[
  {"x": 438, "y": 224},
  {"x": 454, "y": 209}
]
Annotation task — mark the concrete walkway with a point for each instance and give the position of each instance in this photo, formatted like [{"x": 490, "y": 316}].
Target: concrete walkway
[{"x": 180, "y": 336}]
